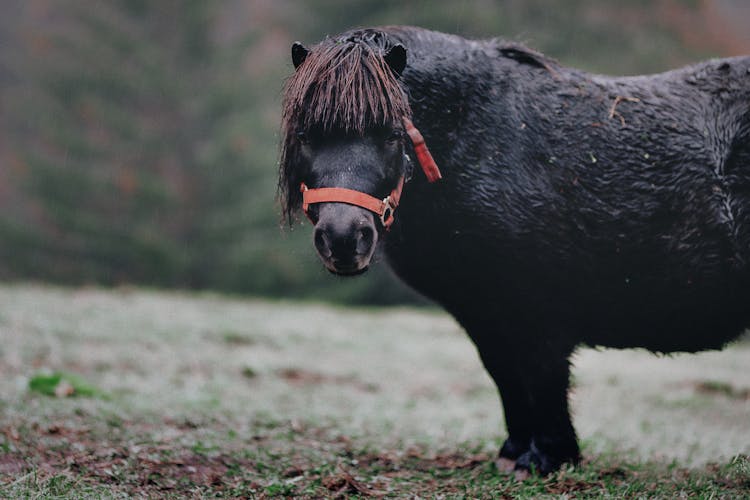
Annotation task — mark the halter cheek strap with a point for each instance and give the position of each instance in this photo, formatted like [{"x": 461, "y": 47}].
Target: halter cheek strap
[
  {"x": 386, "y": 207},
  {"x": 429, "y": 167}
]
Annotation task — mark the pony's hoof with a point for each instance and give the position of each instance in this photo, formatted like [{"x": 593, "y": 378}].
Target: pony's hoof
[
  {"x": 539, "y": 462},
  {"x": 513, "y": 448}
]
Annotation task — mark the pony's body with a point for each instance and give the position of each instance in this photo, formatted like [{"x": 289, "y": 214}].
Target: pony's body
[
  {"x": 626, "y": 227},
  {"x": 574, "y": 208}
]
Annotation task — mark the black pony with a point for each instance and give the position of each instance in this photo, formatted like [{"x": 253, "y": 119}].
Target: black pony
[{"x": 573, "y": 209}]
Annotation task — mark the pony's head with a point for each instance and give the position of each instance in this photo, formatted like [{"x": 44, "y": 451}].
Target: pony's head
[{"x": 343, "y": 128}]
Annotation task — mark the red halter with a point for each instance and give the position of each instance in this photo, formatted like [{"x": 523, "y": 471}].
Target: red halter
[{"x": 384, "y": 208}]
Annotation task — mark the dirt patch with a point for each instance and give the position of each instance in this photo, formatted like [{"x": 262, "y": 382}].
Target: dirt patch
[{"x": 10, "y": 465}]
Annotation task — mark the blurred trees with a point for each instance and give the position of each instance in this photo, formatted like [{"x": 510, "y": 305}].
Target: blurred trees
[
  {"x": 138, "y": 139},
  {"x": 116, "y": 105}
]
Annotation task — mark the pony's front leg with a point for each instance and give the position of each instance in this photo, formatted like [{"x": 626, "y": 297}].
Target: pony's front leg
[
  {"x": 508, "y": 377},
  {"x": 533, "y": 384},
  {"x": 553, "y": 438}
]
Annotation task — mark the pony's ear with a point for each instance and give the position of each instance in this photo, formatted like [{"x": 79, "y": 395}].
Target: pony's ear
[
  {"x": 299, "y": 54},
  {"x": 396, "y": 58}
]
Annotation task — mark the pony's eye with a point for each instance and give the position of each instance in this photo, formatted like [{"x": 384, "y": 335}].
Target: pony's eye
[
  {"x": 395, "y": 136},
  {"x": 303, "y": 138}
]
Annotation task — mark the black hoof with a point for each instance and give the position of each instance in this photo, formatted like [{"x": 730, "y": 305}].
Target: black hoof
[
  {"x": 513, "y": 448},
  {"x": 542, "y": 463}
]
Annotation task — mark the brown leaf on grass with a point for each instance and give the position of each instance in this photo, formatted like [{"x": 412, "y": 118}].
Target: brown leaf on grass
[
  {"x": 566, "y": 485},
  {"x": 10, "y": 465},
  {"x": 293, "y": 471},
  {"x": 301, "y": 377},
  {"x": 64, "y": 389},
  {"x": 297, "y": 426},
  {"x": 54, "y": 429},
  {"x": 561, "y": 483},
  {"x": 344, "y": 484},
  {"x": 613, "y": 472},
  {"x": 446, "y": 460},
  {"x": 456, "y": 461},
  {"x": 11, "y": 433},
  {"x": 297, "y": 376}
]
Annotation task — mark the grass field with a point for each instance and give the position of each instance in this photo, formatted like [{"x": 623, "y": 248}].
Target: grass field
[{"x": 138, "y": 393}]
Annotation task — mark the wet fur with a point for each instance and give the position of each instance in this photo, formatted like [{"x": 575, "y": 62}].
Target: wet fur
[{"x": 574, "y": 209}]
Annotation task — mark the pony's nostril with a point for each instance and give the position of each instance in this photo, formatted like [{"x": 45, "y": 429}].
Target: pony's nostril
[
  {"x": 365, "y": 238},
  {"x": 322, "y": 243}
]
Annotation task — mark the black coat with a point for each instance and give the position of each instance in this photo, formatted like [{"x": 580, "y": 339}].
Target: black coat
[{"x": 609, "y": 211}]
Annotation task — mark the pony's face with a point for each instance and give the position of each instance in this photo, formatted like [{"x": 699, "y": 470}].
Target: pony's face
[
  {"x": 345, "y": 235},
  {"x": 342, "y": 127}
]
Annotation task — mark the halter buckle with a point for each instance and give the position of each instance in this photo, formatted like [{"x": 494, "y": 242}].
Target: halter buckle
[{"x": 386, "y": 217}]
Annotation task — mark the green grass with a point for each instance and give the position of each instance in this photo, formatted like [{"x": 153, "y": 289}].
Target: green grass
[
  {"x": 63, "y": 385},
  {"x": 206, "y": 396},
  {"x": 284, "y": 460}
]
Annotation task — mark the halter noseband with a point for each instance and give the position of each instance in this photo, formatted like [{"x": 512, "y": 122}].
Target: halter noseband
[{"x": 386, "y": 207}]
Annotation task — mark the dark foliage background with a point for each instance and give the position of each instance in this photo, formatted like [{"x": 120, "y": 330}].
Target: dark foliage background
[{"x": 138, "y": 139}]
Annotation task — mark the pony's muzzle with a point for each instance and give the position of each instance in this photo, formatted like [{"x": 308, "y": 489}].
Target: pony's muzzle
[{"x": 345, "y": 238}]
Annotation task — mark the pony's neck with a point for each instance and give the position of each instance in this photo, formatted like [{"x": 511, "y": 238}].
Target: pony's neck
[
  {"x": 443, "y": 71},
  {"x": 447, "y": 79}
]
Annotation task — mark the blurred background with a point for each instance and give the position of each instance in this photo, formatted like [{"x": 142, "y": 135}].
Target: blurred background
[{"x": 138, "y": 139}]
